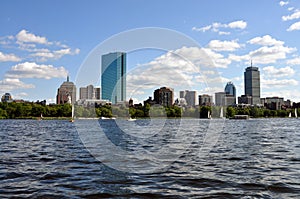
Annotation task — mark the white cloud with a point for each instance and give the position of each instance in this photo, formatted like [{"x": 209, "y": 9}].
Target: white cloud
[
  {"x": 268, "y": 55},
  {"x": 178, "y": 69},
  {"x": 278, "y": 83},
  {"x": 25, "y": 37},
  {"x": 295, "y": 15},
  {"x": 215, "y": 27},
  {"x": 218, "y": 45},
  {"x": 295, "y": 61},
  {"x": 224, "y": 33},
  {"x": 290, "y": 8},
  {"x": 271, "y": 71},
  {"x": 237, "y": 24},
  {"x": 294, "y": 26},
  {"x": 266, "y": 40},
  {"x": 46, "y": 54},
  {"x": 9, "y": 84},
  {"x": 283, "y": 3},
  {"x": 9, "y": 57},
  {"x": 238, "y": 58},
  {"x": 33, "y": 70},
  {"x": 264, "y": 55}
]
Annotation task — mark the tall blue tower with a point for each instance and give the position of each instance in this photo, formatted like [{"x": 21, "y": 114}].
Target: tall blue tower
[
  {"x": 230, "y": 89},
  {"x": 113, "y": 78}
]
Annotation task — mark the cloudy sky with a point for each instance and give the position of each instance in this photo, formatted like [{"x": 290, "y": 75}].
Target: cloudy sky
[{"x": 41, "y": 42}]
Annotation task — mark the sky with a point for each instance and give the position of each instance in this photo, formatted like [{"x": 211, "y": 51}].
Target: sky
[{"x": 41, "y": 42}]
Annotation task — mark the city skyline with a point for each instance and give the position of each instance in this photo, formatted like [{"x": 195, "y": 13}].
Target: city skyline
[{"x": 35, "y": 54}]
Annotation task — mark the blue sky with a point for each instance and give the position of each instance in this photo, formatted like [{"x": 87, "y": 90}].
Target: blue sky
[{"x": 43, "y": 41}]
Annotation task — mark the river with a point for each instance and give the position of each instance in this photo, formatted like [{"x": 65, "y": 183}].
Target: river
[{"x": 188, "y": 158}]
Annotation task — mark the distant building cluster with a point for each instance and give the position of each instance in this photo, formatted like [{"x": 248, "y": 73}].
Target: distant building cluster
[{"x": 113, "y": 91}]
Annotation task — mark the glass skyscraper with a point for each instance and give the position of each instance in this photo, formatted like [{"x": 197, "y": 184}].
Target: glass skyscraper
[
  {"x": 230, "y": 89},
  {"x": 113, "y": 78},
  {"x": 252, "y": 83}
]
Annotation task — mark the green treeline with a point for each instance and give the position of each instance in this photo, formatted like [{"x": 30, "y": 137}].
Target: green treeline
[
  {"x": 33, "y": 110},
  {"x": 15, "y": 110}
]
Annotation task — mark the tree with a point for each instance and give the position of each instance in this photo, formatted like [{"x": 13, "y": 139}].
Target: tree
[{"x": 230, "y": 112}]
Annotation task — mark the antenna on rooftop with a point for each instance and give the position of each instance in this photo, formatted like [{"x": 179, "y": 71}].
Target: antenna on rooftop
[{"x": 251, "y": 63}]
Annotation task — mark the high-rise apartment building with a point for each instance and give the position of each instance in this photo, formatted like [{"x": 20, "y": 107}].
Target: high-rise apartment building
[
  {"x": 164, "y": 96},
  {"x": 66, "y": 93},
  {"x": 189, "y": 96},
  {"x": 89, "y": 92},
  {"x": 113, "y": 78},
  {"x": 252, "y": 83}
]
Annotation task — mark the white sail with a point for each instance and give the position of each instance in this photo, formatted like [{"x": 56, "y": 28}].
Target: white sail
[
  {"x": 221, "y": 113},
  {"x": 290, "y": 115},
  {"x": 208, "y": 115},
  {"x": 296, "y": 114},
  {"x": 72, "y": 111}
]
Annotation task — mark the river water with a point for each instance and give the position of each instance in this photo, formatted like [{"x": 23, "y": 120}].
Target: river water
[{"x": 257, "y": 158}]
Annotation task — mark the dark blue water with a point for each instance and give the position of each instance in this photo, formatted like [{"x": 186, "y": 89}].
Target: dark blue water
[{"x": 248, "y": 159}]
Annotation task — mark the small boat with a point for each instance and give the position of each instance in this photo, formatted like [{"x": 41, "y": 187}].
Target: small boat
[
  {"x": 107, "y": 118},
  {"x": 131, "y": 119},
  {"x": 296, "y": 114},
  {"x": 290, "y": 115},
  {"x": 240, "y": 117},
  {"x": 208, "y": 115}
]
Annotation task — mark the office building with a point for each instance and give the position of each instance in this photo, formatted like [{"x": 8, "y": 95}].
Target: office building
[
  {"x": 189, "y": 96},
  {"x": 113, "y": 78},
  {"x": 89, "y": 92},
  {"x": 252, "y": 84},
  {"x": 224, "y": 99},
  {"x": 230, "y": 91},
  {"x": 66, "y": 93},
  {"x": 245, "y": 99},
  {"x": 220, "y": 98},
  {"x": 274, "y": 103},
  {"x": 164, "y": 96},
  {"x": 205, "y": 100}
]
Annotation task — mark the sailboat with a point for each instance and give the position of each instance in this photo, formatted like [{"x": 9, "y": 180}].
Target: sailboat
[
  {"x": 296, "y": 114},
  {"x": 208, "y": 115},
  {"x": 290, "y": 115},
  {"x": 41, "y": 117},
  {"x": 72, "y": 118},
  {"x": 222, "y": 113}
]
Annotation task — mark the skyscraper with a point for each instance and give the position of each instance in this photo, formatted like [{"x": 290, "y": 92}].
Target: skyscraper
[
  {"x": 113, "y": 79},
  {"x": 66, "y": 93},
  {"x": 230, "y": 89},
  {"x": 252, "y": 83}
]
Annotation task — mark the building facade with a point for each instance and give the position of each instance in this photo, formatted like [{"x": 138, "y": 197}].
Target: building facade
[
  {"x": 66, "y": 93},
  {"x": 189, "y": 96},
  {"x": 274, "y": 103},
  {"x": 205, "y": 100},
  {"x": 245, "y": 99},
  {"x": 113, "y": 78},
  {"x": 164, "y": 96},
  {"x": 252, "y": 84},
  {"x": 89, "y": 92}
]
